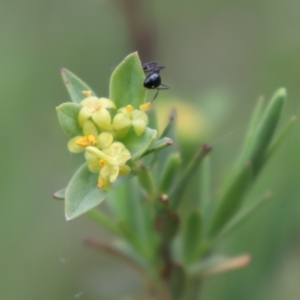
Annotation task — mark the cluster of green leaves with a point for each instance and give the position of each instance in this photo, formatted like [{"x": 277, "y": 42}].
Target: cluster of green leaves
[{"x": 169, "y": 249}]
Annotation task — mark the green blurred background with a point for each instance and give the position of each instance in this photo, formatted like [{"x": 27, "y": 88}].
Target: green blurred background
[{"x": 220, "y": 56}]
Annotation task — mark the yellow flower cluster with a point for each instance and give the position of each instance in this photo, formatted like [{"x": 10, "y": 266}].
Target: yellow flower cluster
[{"x": 104, "y": 152}]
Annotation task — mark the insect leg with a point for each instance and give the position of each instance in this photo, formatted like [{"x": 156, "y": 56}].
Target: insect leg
[
  {"x": 163, "y": 87},
  {"x": 155, "y": 95}
]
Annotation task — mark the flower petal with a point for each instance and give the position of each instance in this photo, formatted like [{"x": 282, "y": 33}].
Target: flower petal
[
  {"x": 84, "y": 114},
  {"x": 114, "y": 172},
  {"x": 106, "y": 103},
  {"x": 102, "y": 118},
  {"x": 93, "y": 162},
  {"x": 104, "y": 140},
  {"x": 139, "y": 126},
  {"x": 121, "y": 121},
  {"x": 104, "y": 183},
  {"x": 140, "y": 115},
  {"x": 89, "y": 101},
  {"x": 73, "y": 147},
  {"x": 89, "y": 128}
]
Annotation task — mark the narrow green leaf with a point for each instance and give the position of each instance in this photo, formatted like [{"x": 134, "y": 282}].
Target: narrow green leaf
[
  {"x": 138, "y": 145},
  {"x": 169, "y": 131},
  {"x": 124, "y": 202},
  {"x": 146, "y": 181},
  {"x": 126, "y": 83},
  {"x": 254, "y": 122},
  {"x": 60, "y": 195},
  {"x": 152, "y": 116},
  {"x": 177, "y": 193},
  {"x": 244, "y": 215},
  {"x": 132, "y": 210},
  {"x": 133, "y": 239},
  {"x": 197, "y": 270},
  {"x": 232, "y": 197},
  {"x": 218, "y": 264},
  {"x": 75, "y": 86},
  {"x": 205, "y": 202},
  {"x": 192, "y": 237},
  {"x": 159, "y": 145},
  {"x": 82, "y": 193},
  {"x": 169, "y": 173},
  {"x": 67, "y": 114},
  {"x": 204, "y": 185},
  {"x": 279, "y": 140},
  {"x": 266, "y": 128}
]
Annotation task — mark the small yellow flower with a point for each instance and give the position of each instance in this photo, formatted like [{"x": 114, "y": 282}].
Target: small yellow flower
[
  {"x": 110, "y": 163},
  {"x": 79, "y": 143},
  {"x": 127, "y": 117},
  {"x": 90, "y": 138},
  {"x": 96, "y": 108}
]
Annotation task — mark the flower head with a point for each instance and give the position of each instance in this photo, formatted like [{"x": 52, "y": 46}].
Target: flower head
[
  {"x": 110, "y": 163},
  {"x": 90, "y": 137},
  {"x": 79, "y": 143},
  {"x": 127, "y": 117},
  {"x": 96, "y": 108}
]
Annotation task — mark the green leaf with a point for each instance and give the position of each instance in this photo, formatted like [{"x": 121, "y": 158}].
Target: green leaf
[
  {"x": 244, "y": 215},
  {"x": 75, "y": 86},
  {"x": 177, "y": 193},
  {"x": 146, "y": 180},
  {"x": 126, "y": 83},
  {"x": 204, "y": 201},
  {"x": 152, "y": 116},
  {"x": 256, "y": 117},
  {"x": 67, "y": 114},
  {"x": 197, "y": 270},
  {"x": 132, "y": 210},
  {"x": 218, "y": 264},
  {"x": 231, "y": 199},
  {"x": 192, "y": 237},
  {"x": 138, "y": 145},
  {"x": 266, "y": 128},
  {"x": 82, "y": 193},
  {"x": 169, "y": 172},
  {"x": 170, "y": 132},
  {"x": 60, "y": 195},
  {"x": 279, "y": 140},
  {"x": 159, "y": 145}
]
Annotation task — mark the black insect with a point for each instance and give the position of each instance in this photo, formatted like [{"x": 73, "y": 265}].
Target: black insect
[{"x": 153, "y": 80}]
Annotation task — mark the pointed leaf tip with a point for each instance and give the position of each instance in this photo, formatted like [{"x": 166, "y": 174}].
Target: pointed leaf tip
[
  {"x": 126, "y": 83},
  {"x": 75, "y": 85},
  {"x": 281, "y": 92},
  {"x": 59, "y": 195}
]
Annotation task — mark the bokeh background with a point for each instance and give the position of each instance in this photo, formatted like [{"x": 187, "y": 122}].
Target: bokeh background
[{"x": 220, "y": 56}]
